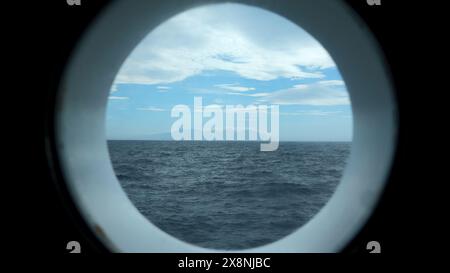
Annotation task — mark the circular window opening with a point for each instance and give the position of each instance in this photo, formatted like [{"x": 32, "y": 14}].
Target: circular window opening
[
  {"x": 83, "y": 154},
  {"x": 229, "y": 126}
]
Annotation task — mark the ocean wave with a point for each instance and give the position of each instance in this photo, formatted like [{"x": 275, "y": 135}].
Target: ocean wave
[{"x": 228, "y": 195}]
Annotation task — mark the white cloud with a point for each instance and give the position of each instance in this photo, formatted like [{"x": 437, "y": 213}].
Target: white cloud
[
  {"x": 118, "y": 98},
  {"x": 248, "y": 41},
  {"x": 234, "y": 87},
  {"x": 113, "y": 88},
  {"x": 309, "y": 94},
  {"x": 151, "y": 108},
  {"x": 250, "y": 95},
  {"x": 163, "y": 89},
  {"x": 332, "y": 83}
]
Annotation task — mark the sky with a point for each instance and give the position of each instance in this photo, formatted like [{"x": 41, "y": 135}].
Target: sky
[{"x": 230, "y": 54}]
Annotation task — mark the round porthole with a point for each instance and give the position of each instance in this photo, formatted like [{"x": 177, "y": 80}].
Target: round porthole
[{"x": 83, "y": 151}]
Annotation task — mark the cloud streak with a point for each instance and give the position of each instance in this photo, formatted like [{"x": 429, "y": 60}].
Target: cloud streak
[
  {"x": 250, "y": 95},
  {"x": 151, "y": 109},
  {"x": 316, "y": 94},
  {"x": 118, "y": 98},
  {"x": 234, "y": 87}
]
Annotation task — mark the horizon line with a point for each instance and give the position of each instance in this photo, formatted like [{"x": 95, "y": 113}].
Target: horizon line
[{"x": 226, "y": 140}]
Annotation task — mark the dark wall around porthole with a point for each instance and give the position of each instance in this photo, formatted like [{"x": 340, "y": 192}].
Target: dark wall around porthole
[{"x": 57, "y": 216}]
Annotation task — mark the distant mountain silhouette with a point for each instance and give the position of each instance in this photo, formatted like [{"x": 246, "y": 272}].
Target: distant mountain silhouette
[{"x": 168, "y": 136}]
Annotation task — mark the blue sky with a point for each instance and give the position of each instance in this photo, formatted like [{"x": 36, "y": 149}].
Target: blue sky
[{"x": 230, "y": 54}]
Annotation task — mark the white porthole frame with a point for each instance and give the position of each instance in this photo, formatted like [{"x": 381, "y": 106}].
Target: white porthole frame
[{"x": 82, "y": 147}]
